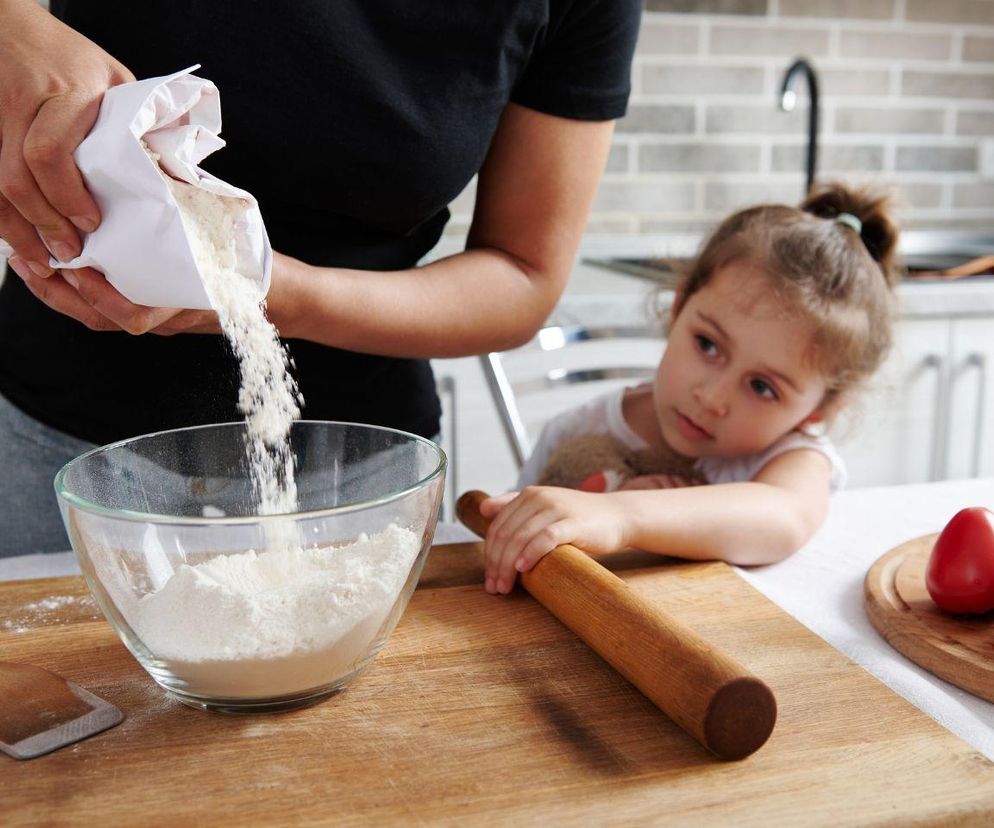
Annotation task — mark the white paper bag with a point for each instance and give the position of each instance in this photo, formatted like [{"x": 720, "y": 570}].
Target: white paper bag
[{"x": 141, "y": 245}]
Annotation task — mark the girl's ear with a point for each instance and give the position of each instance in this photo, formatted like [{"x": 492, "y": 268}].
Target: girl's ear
[{"x": 817, "y": 420}]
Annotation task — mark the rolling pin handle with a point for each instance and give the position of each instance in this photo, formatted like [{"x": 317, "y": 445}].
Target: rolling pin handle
[{"x": 712, "y": 697}]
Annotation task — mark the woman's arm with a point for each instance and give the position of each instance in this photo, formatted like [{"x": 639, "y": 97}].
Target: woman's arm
[
  {"x": 760, "y": 521},
  {"x": 533, "y": 197}
]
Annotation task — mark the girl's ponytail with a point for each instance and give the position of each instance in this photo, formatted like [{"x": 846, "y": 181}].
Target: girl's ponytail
[{"x": 878, "y": 233}]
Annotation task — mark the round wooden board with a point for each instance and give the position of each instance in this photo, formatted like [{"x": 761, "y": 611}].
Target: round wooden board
[{"x": 959, "y": 649}]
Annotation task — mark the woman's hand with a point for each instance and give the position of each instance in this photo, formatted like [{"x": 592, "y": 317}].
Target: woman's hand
[
  {"x": 531, "y": 524},
  {"x": 87, "y": 297},
  {"x": 52, "y": 81}
]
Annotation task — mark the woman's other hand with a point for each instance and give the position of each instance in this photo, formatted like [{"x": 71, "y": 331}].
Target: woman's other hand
[
  {"x": 87, "y": 297},
  {"x": 52, "y": 81},
  {"x": 530, "y": 524}
]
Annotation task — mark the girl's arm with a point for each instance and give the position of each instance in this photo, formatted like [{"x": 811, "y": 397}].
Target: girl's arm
[{"x": 760, "y": 521}]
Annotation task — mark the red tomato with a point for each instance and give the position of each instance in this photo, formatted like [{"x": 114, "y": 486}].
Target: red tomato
[{"x": 960, "y": 573}]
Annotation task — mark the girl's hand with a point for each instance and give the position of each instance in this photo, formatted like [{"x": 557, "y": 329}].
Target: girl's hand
[
  {"x": 531, "y": 524},
  {"x": 87, "y": 297},
  {"x": 658, "y": 481}
]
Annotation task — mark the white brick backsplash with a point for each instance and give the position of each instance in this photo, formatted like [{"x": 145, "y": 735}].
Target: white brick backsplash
[
  {"x": 937, "y": 159},
  {"x": 696, "y": 80},
  {"x": 698, "y": 158},
  {"x": 978, "y": 48},
  {"x": 657, "y": 119},
  {"x": 645, "y": 195},
  {"x": 618, "y": 159},
  {"x": 870, "y": 9},
  {"x": 951, "y": 11},
  {"x": 974, "y": 194},
  {"x": 888, "y": 45},
  {"x": 767, "y": 41},
  {"x": 911, "y": 195},
  {"x": 756, "y": 119},
  {"x": 872, "y": 120},
  {"x": 986, "y": 158},
  {"x": 975, "y": 122},
  {"x": 852, "y": 82},
  {"x": 667, "y": 38},
  {"x": 752, "y": 7},
  {"x": 831, "y": 159},
  {"x": 907, "y": 104},
  {"x": 949, "y": 84},
  {"x": 728, "y": 196}
]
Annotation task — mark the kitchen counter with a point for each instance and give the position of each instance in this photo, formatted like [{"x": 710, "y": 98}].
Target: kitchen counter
[
  {"x": 820, "y": 586},
  {"x": 485, "y": 710}
]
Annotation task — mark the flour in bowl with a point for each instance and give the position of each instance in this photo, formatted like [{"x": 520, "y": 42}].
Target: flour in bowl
[
  {"x": 268, "y": 396},
  {"x": 257, "y": 625}
]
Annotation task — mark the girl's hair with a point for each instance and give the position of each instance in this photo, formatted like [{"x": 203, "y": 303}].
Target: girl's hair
[{"x": 840, "y": 277}]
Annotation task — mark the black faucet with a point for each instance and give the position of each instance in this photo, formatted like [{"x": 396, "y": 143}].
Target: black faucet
[{"x": 787, "y": 100}]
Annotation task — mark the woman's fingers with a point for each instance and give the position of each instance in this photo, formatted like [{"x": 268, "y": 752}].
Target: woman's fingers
[
  {"x": 87, "y": 297},
  {"x": 57, "y": 130},
  {"x": 60, "y": 295},
  {"x": 19, "y": 188},
  {"x": 106, "y": 300},
  {"x": 189, "y": 321}
]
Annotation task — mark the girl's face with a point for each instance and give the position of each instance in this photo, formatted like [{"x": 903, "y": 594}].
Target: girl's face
[{"x": 735, "y": 376}]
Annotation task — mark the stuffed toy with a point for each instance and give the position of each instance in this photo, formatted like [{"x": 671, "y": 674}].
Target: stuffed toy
[{"x": 601, "y": 463}]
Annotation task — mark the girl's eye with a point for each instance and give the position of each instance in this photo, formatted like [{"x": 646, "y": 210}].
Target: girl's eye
[
  {"x": 763, "y": 389},
  {"x": 705, "y": 345}
]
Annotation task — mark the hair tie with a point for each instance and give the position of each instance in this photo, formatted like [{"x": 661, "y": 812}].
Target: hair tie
[{"x": 849, "y": 220}]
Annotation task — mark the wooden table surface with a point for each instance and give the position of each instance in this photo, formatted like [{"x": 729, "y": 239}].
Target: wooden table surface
[{"x": 485, "y": 710}]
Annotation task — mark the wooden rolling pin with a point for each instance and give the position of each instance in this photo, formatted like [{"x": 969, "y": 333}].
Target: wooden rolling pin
[{"x": 710, "y": 695}]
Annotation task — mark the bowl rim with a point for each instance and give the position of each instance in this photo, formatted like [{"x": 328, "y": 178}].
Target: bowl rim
[{"x": 68, "y": 497}]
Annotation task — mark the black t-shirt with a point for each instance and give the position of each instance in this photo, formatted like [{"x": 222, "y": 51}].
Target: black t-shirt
[{"x": 354, "y": 123}]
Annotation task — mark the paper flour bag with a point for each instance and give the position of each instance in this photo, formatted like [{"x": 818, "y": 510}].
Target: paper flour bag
[{"x": 155, "y": 238}]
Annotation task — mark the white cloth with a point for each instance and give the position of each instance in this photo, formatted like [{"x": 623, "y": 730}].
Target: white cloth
[
  {"x": 603, "y": 415},
  {"x": 822, "y": 587}
]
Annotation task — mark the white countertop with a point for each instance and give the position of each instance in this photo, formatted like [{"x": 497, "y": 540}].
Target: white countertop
[{"x": 821, "y": 586}]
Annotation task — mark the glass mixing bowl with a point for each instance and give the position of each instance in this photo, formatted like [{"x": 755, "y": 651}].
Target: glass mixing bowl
[{"x": 229, "y": 610}]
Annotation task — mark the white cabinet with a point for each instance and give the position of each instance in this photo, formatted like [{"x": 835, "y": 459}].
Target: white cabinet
[
  {"x": 970, "y": 429},
  {"x": 925, "y": 415}
]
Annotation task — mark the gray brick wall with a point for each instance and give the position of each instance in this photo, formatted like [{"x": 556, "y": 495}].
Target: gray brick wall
[{"x": 907, "y": 103}]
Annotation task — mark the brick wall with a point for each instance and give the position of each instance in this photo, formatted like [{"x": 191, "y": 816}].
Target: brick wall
[{"x": 907, "y": 101}]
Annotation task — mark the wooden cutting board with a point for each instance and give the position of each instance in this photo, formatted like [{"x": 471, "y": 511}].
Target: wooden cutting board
[
  {"x": 959, "y": 649},
  {"x": 485, "y": 710}
]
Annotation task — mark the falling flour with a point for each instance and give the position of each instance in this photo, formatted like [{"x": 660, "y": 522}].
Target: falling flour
[
  {"x": 268, "y": 396},
  {"x": 257, "y": 625}
]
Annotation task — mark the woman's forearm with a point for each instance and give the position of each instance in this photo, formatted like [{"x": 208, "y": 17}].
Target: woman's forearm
[{"x": 469, "y": 303}]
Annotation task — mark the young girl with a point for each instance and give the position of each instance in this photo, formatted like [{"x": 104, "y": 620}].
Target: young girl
[{"x": 784, "y": 312}]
